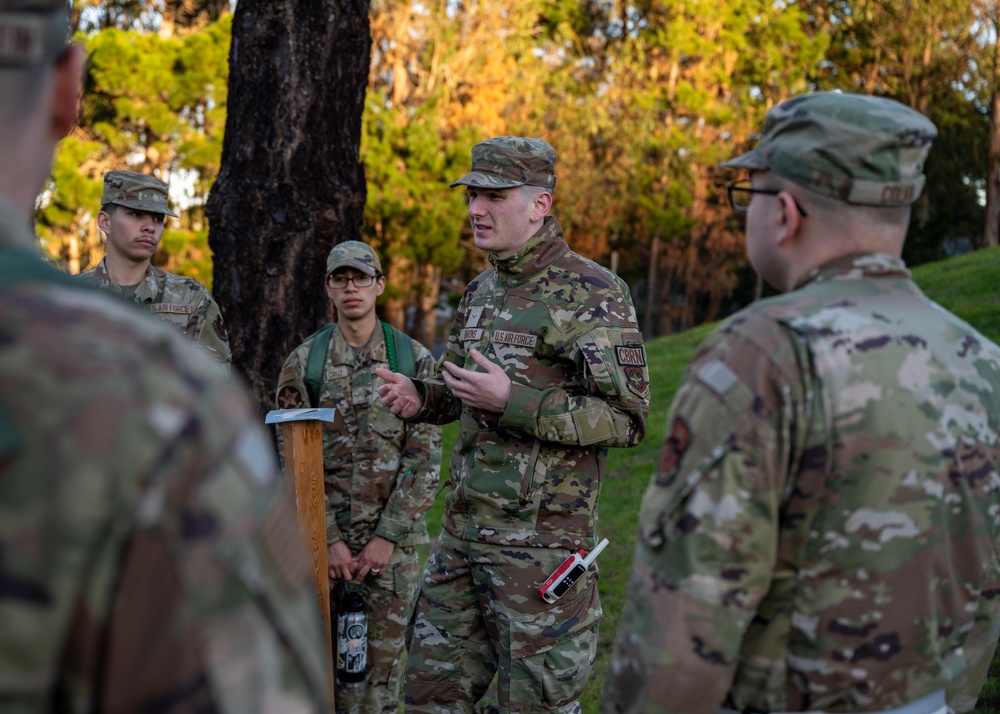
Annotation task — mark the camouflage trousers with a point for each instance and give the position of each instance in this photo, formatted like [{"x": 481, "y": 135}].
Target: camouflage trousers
[
  {"x": 480, "y": 614},
  {"x": 389, "y": 599}
]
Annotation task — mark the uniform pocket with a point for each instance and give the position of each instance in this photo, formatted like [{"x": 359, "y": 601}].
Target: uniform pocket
[
  {"x": 552, "y": 653},
  {"x": 385, "y": 423}
]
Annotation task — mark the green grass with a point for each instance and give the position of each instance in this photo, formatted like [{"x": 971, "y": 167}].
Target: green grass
[{"x": 966, "y": 285}]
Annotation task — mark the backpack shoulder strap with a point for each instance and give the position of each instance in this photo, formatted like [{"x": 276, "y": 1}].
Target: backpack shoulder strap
[
  {"x": 399, "y": 350},
  {"x": 317, "y": 359}
]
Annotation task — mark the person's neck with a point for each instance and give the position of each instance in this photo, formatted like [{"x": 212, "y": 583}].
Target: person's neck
[
  {"x": 357, "y": 332},
  {"x": 124, "y": 271}
]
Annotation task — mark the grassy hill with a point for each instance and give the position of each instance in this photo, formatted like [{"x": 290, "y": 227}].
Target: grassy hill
[{"x": 966, "y": 285}]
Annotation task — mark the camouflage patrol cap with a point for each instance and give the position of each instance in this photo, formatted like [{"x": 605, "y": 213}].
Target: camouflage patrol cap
[
  {"x": 353, "y": 254},
  {"x": 509, "y": 161},
  {"x": 134, "y": 190},
  {"x": 859, "y": 149},
  {"x": 32, "y": 31}
]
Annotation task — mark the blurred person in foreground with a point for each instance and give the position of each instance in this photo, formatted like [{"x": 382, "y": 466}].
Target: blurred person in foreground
[
  {"x": 148, "y": 559},
  {"x": 544, "y": 369},
  {"x": 821, "y": 532}
]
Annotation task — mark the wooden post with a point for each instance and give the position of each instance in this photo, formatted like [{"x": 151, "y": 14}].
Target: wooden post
[{"x": 303, "y": 437}]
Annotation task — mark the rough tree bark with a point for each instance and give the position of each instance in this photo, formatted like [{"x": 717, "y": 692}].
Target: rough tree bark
[{"x": 291, "y": 184}]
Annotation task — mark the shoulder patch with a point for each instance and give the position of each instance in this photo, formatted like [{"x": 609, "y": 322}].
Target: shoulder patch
[
  {"x": 717, "y": 376},
  {"x": 630, "y": 356},
  {"x": 636, "y": 381},
  {"x": 673, "y": 451}
]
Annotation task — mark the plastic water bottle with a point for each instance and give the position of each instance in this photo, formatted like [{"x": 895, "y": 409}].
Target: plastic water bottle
[{"x": 352, "y": 638}]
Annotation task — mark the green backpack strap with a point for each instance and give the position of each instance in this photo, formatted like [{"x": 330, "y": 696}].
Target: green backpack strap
[
  {"x": 18, "y": 267},
  {"x": 317, "y": 360},
  {"x": 399, "y": 350}
]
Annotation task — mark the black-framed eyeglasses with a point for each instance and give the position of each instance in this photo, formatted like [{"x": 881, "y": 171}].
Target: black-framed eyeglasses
[
  {"x": 339, "y": 282},
  {"x": 741, "y": 192}
]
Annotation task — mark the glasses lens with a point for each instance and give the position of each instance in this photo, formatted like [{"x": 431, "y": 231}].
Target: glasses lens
[
  {"x": 339, "y": 282},
  {"x": 740, "y": 195}
]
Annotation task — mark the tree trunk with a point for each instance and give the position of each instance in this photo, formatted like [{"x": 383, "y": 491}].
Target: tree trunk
[
  {"x": 291, "y": 184},
  {"x": 991, "y": 229},
  {"x": 649, "y": 323}
]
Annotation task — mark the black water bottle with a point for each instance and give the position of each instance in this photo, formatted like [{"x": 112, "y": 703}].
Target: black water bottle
[{"x": 352, "y": 638}]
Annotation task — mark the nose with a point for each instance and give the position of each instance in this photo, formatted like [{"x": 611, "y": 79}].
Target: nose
[{"x": 475, "y": 207}]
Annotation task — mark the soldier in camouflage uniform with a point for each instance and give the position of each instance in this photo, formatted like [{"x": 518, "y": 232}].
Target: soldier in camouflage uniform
[
  {"x": 545, "y": 369},
  {"x": 821, "y": 532},
  {"x": 148, "y": 560},
  {"x": 380, "y": 473},
  {"x": 133, "y": 211}
]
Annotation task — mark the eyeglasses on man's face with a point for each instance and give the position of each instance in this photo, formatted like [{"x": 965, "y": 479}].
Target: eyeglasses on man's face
[
  {"x": 339, "y": 282},
  {"x": 741, "y": 193}
]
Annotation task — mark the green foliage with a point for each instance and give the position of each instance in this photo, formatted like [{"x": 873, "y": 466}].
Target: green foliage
[
  {"x": 153, "y": 104},
  {"x": 410, "y": 212}
]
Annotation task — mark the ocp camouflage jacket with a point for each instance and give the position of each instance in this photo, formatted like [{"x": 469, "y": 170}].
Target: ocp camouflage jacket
[
  {"x": 183, "y": 303},
  {"x": 564, "y": 330}
]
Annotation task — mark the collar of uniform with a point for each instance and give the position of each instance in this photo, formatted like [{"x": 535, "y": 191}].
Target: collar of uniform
[
  {"x": 342, "y": 352},
  {"x": 15, "y": 231},
  {"x": 855, "y": 266},
  {"x": 541, "y": 251}
]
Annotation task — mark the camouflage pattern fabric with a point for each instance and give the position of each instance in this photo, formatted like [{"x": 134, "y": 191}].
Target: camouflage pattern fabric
[
  {"x": 564, "y": 330},
  {"x": 510, "y": 161},
  {"x": 380, "y": 477},
  {"x": 148, "y": 557},
  {"x": 390, "y": 598},
  {"x": 136, "y": 190},
  {"x": 480, "y": 612},
  {"x": 354, "y": 254},
  {"x": 183, "y": 303},
  {"x": 855, "y": 148},
  {"x": 821, "y": 531}
]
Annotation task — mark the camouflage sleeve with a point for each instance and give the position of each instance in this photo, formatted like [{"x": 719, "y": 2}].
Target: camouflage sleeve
[
  {"x": 419, "y": 469},
  {"x": 708, "y": 536},
  {"x": 439, "y": 405},
  {"x": 292, "y": 394},
  {"x": 209, "y": 330},
  {"x": 226, "y": 533},
  {"x": 612, "y": 413}
]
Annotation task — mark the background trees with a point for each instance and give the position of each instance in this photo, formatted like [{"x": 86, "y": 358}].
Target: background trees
[{"x": 641, "y": 98}]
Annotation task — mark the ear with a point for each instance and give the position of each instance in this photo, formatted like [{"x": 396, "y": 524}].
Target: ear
[
  {"x": 326, "y": 286},
  {"x": 540, "y": 207},
  {"x": 380, "y": 285},
  {"x": 790, "y": 220},
  {"x": 67, "y": 91},
  {"x": 104, "y": 222}
]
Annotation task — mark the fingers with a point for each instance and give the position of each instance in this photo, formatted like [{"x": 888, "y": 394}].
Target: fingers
[
  {"x": 481, "y": 359},
  {"x": 387, "y": 375}
]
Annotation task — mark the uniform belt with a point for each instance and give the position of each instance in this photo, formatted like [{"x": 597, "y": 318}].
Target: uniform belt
[{"x": 932, "y": 703}]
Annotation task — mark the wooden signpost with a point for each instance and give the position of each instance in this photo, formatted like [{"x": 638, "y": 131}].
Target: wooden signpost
[{"x": 303, "y": 436}]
